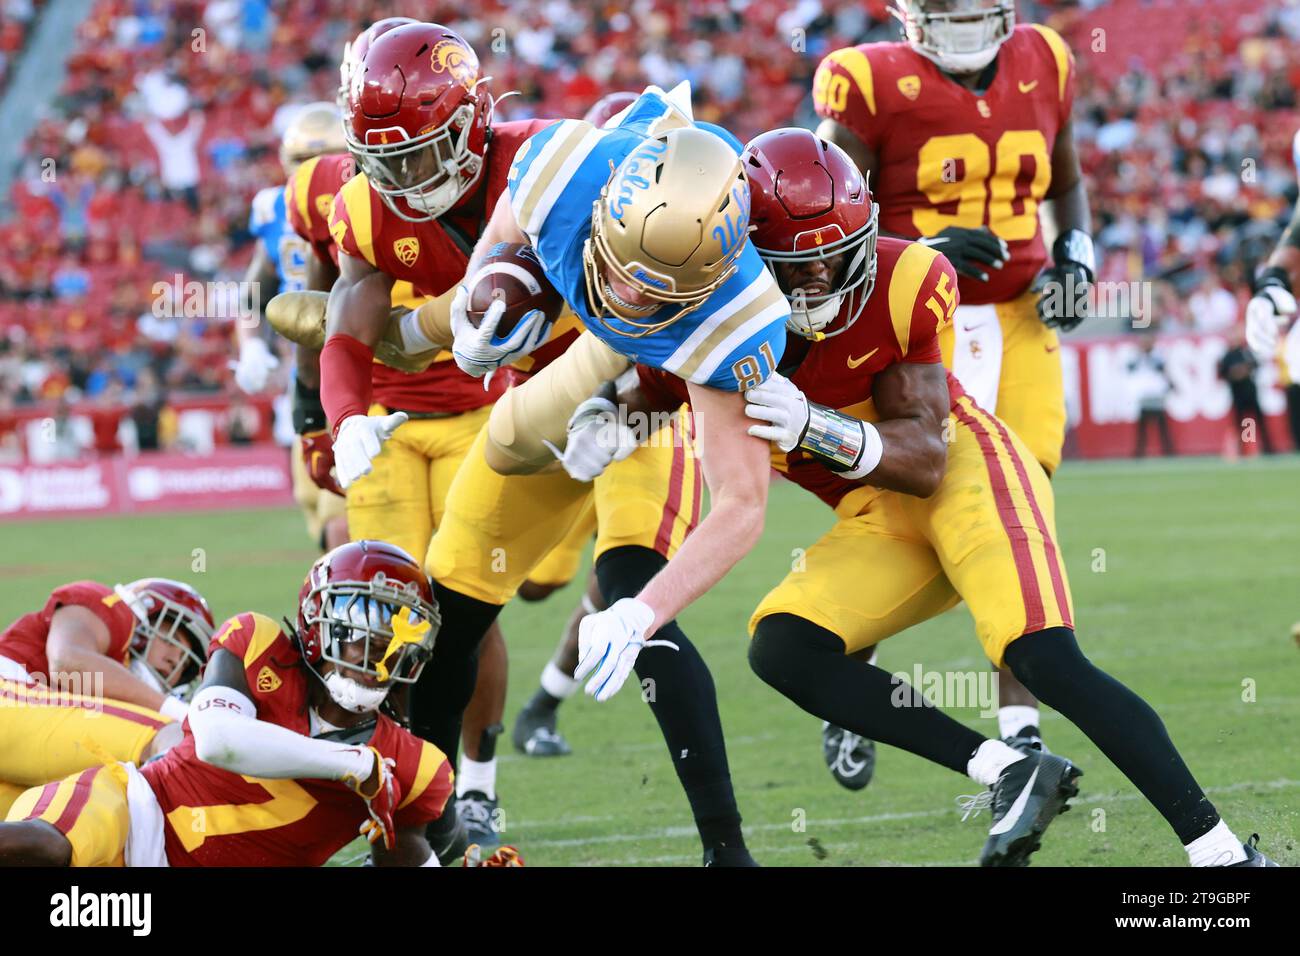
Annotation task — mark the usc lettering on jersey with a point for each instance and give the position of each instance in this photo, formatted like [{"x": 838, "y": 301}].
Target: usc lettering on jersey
[
  {"x": 950, "y": 157},
  {"x": 23, "y": 641},
  {"x": 217, "y": 818}
]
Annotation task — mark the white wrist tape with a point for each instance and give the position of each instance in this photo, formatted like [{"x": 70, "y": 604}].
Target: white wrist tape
[{"x": 873, "y": 448}]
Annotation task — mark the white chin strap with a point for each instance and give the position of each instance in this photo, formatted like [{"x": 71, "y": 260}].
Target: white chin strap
[
  {"x": 352, "y": 695},
  {"x": 808, "y": 322}
]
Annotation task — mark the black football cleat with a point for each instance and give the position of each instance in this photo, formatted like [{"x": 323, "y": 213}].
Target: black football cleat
[
  {"x": 447, "y": 836},
  {"x": 728, "y": 856},
  {"x": 1026, "y": 798},
  {"x": 534, "y": 734},
  {"x": 1253, "y": 856},
  {"x": 478, "y": 811},
  {"x": 850, "y": 758},
  {"x": 1028, "y": 739}
]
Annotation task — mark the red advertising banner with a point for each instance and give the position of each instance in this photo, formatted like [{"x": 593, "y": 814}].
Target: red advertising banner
[
  {"x": 228, "y": 478},
  {"x": 1103, "y": 405}
]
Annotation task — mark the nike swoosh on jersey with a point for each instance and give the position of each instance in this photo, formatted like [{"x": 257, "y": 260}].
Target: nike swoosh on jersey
[
  {"x": 854, "y": 363},
  {"x": 1026, "y": 87}
]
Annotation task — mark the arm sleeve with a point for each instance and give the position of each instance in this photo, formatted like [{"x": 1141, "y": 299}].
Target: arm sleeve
[
  {"x": 345, "y": 378},
  {"x": 539, "y": 409},
  {"x": 227, "y": 734}
]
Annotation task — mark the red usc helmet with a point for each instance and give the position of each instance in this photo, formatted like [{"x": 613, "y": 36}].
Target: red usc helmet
[
  {"x": 809, "y": 201},
  {"x": 374, "y": 593},
  {"x": 172, "y": 613},
  {"x": 354, "y": 51},
  {"x": 609, "y": 106},
  {"x": 417, "y": 119}
]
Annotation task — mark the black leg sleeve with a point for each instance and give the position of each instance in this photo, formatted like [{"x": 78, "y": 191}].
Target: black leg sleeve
[
  {"x": 446, "y": 684},
  {"x": 1118, "y": 721},
  {"x": 807, "y": 664},
  {"x": 679, "y": 688}
]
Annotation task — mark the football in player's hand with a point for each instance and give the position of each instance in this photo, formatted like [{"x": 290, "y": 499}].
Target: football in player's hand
[{"x": 511, "y": 272}]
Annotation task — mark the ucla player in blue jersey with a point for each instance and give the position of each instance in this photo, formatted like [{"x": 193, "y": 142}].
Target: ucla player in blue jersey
[
  {"x": 642, "y": 227},
  {"x": 281, "y": 261}
]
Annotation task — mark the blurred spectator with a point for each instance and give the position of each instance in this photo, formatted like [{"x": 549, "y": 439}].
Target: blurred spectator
[
  {"x": 241, "y": 422},
  {"x": 1151, "y": 387},
  {"x": 1213, "y": 308},
  {"x": 1237, "y": 368}
]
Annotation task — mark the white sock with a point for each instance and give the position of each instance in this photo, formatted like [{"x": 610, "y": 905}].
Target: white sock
[
  {"x": 1219, "y": 847},
  {"x": 872, "y": 658},
  {"x": 557, "y": 683},
  {"x": 1013, "y": 719},
  {"x": 988, "y": 762},
  {"x": 589, "y": 605},
  {"x": 413, "y": 338},
  {"x": 477, "y": 775}
]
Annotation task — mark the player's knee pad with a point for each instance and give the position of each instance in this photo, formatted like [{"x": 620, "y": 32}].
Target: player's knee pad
[{"x": 1049, "y": 663}]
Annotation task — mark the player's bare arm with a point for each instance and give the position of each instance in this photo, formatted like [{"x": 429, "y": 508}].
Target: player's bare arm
[
  {"x": 736, "y": 469},
  {"x": 78, "y": 644},
  {"x": 912, "y": 401},
  {"x": 359, "y": 301}
]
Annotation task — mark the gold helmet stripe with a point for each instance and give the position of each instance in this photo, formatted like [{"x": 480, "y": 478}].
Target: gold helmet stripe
[{"x": 760, "y": 304}]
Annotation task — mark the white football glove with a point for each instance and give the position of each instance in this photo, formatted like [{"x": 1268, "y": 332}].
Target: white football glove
[
  {"x": 359, "y": 440},
  {"x": 782, "y": 406},
  {"x": 1266, "y": 315},
  {"x": 608, "y": 643},
  {"x": 255, "y": 365},
  {"x": 597, "y": 437},
  {"x": 480, "y": 352}
]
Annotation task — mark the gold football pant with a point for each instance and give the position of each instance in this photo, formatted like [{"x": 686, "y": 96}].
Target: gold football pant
[
  {"x": 498, "y": 528},
  {"x": 89, "y": 808},
  {"x": 401, "y": 501},
  {"x": 319, "y": 507},
  {"x": 1030, "y": 389},
  {"x": 987, "y": 537},
  {"x": 46, "y": 735}
]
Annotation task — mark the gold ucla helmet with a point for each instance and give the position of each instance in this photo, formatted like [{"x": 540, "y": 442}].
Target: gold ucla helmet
[
  {"x": 315, "y": 130},
  {"x": 670, "y": 223}
]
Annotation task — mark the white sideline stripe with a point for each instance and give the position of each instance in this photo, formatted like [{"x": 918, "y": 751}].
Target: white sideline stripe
[{"x": 668, "y": 833}]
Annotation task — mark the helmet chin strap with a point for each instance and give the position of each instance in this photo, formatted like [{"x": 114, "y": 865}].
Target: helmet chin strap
[
  {"x": 808, "y": 322},
  {"x": 352, "y": 695}
]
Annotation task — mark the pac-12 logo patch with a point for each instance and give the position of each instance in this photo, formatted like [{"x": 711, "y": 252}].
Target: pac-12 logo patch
[
  {"x": 407, "y": 250},
  {"x": 268, "y": 680}
]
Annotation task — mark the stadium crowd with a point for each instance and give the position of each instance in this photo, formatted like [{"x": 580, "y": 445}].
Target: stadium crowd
[{"x": 163, "y": 132}]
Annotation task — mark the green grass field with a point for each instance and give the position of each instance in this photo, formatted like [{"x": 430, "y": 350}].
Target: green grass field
[{"x": 1194, "y": 609}]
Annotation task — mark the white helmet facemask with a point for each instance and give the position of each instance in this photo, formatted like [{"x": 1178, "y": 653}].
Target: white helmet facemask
[{"x": 964, "y": 39}]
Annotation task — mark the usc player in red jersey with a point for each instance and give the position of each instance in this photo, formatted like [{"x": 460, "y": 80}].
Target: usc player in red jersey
[
  {"x": 97, "y": 666},
  {"x": 431, "y": 163},
  {"x": 287, "y": 754},
  {"x": 937, "y": 502},
  {"x": 963, "y": 130}
]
